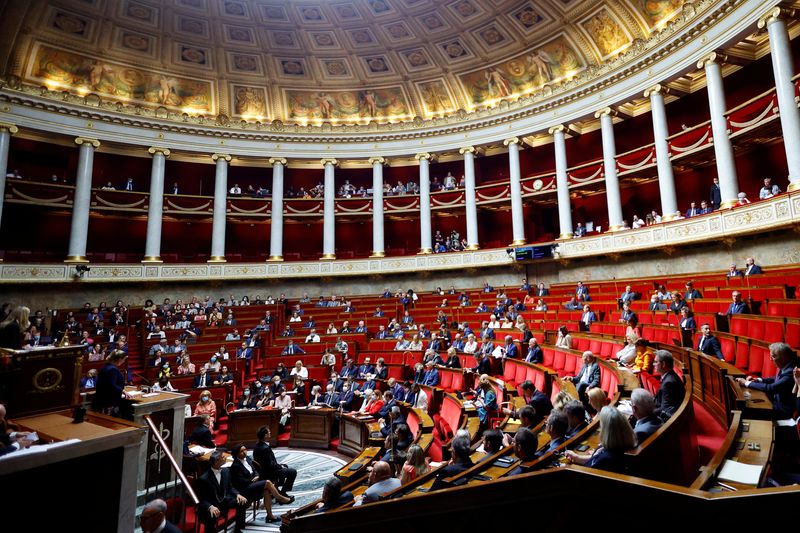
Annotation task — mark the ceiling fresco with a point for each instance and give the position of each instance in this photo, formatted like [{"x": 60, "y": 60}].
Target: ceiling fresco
[{"x": 308, "y": 62}]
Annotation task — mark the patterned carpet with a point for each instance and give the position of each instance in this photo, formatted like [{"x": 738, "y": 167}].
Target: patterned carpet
[{"x": 313, "y": 470}]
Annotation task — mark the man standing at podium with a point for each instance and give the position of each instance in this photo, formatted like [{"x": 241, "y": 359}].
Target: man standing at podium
[{"x": 111, "y": 388}]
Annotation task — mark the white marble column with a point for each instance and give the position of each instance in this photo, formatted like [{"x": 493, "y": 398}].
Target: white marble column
[
  {"x": 425, "y": 236},
  {"x": 6, "y": 131},
  {"x": 469, "y": 193},
  {"x": 723, "y": 150},
  {"x": 613, "y": 198},
  {"x": 155, "y": 210},
  {"x": 80, "y": 204},
  {"x": 562, "y": 183},
  {"x": 276, "y": 225},
  {"x": 666, "y": 179},
  {"x": 783, "y": 70},
  {"x": 377, "y": 206},
  {"x": 220, "y": 208},
  {"x": 515, "y": 185},
  {"x": 329, "y": 229}
]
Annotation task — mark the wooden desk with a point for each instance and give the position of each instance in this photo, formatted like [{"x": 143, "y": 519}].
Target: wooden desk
[
  {"x": 311, "y": 428},
  {"x": 243, "y": 425},
  {"x": 760, "y": 432},
  {"x": 353, "y": 435}
]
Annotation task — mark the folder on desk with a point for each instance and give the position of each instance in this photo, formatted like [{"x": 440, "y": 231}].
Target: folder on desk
[{"x": 740, "y": 472}]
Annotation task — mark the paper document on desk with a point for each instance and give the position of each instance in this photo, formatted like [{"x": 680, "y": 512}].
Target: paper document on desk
[
  {"x": 740, "y": 472},
  {"x": 39, "y": 448},
  {"x": 196, "y": 448},
  {"x": 624, "y": 407},
  {"x": 789, "y": 422}
]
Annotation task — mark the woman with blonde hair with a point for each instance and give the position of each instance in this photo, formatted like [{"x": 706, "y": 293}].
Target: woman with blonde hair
[
  {"x": 561, "y": 399},
  {"x": 485, "y": 399},
  {"x": 415, "y": 466},
  {"x": 597, "y": 399},
  {"x": 14, "y": 327}
]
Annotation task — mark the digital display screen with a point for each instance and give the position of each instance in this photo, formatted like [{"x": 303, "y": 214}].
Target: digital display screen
[{"x": 528, "y": 253}]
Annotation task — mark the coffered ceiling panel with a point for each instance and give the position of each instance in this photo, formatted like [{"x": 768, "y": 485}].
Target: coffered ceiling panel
[{"x": 322, "y": 60}]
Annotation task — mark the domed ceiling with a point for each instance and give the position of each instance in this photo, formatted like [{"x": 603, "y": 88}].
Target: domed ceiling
[{"x": 338, "y": 61}]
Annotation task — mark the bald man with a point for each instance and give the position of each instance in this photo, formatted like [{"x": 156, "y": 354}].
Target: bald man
[
  {"x": 154, "y": 518},
  {"x": 381, "y": 483}
]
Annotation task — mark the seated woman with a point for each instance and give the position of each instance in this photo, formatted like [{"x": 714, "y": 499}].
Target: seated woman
[
  {"x": 627, "y": 355},
  {"x": 373, "y": 404},
  {"x": 163, "y": 384},
  {"x": 507, "y": 322},
  {"x": 415, "y": 466},
  {"x": 295, "y": 318},
  {"x": 283, "y": 402},
  {"x": 213, "y": 364},
  {"x": 540, "y": 305},
  {"x": 381, "y": 370},
  {"x": 633, "y": 327},
  {"x": 248, "y": 399},
  {"x": 328, "y": 359},
  {"x": 397, "y": 444},
  {"x": 206, "y": 406},
  {"x": 485, "y": 399},
  {"x": 471, "y": 346},
  {"x": 452, "y": 359},
  {"x": 564, "y": 339},
  {"x": 616, "y": 438},
  {"x": 331, "y": 329},
  {"x": 245, "y": 475},
  {"x": 186, "y": 366},
  {"x": 644, "y": 359},
  {"x": 421, "y": 399},
  {"x": 299, "y": 392},
  {"x": 317, "y": 396},
  {"x": 222, "y": 354},
  {"x": 415, "y": 343},
  {"x": 597, "y": 399}
]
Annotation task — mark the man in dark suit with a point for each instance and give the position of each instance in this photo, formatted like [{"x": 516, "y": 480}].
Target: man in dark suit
[
  {"x": 280, "y": 474},
  {"x": 154, "y": 518},
  {"x": 576, "y": 418},
  {"x": 202, "y": 433},
  {"x": 110, "y": 388},
  {"x": 346, "y": 398},
  {"x": 588, "y": 377},
  {"x": 779, "y": 388},
  {"x": 671, "y": 392},
  {"x": 582, "y": 292},
  {"x": 737, "y": 307},
  {"x": 217, "y": 495},
  {"x": 366, "y": 368},
  {"x": 511, "y": 351},
  {"x": 643, "y": 405},
  {"x": 751, "y": 268},
  {"x": 655, "y": 304},
  {"x": 542, "y": 290},
  {"x": 535, "y": 354},
  {"x": 484, "y": 364},
  {"x": 395, "y": 419},
  {"x": 331, "y": 396},
  {"x": 716, "y": 194},
  {"x": 292, "y": 349},
  {"x": 708, "y": 343},
  {"x": 203, "y": 380},
  {"x": 459, "y": 447},
  {"x": 691, "y": 293}
]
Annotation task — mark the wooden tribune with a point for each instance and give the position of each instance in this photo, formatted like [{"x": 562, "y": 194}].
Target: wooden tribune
[{"x": 311, "y": 428}]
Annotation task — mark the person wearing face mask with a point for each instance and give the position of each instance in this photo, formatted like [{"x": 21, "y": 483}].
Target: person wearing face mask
[
  {"x": 163, "y": 384},
  {"x": 206, "y": 406},
  {"x": 346, "y": 398},
  {"x": 247, "y": 400},
  {"x": 213, "y": 364},
  {"x": 283, "y": 401},
  {"x": 90, "y": 381}
]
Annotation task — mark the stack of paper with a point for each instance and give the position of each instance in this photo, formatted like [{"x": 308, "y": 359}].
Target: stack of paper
[{"x": 740, "y": 472}]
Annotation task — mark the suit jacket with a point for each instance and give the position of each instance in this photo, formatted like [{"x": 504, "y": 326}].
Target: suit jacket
[
  {"x": 240, "y": 477},
  {"x": 209, "y": 491},
  {"x": 199, "y": 379},
  {"x": 670, "y": 394},
  {"x": 715, "y": 196},
  {"x": 779, "y": 389},
  {"x": 676, "y": 307},
  {"x": 345, "y": 400},
  {"x": 511, "y": 351},
  {"x": 710, "y": 346},
  {"x": 292, "y": 349},
  {"x": 450, "y": 471},
  {"x": 740, "y": 308},
  {"x": 535, "y": 355},
  {"x": 693, "y": 294},
  {"x": 109, "y": 387},
  {"x": 202, "y": 436},
  {"x": 656, "y": 306},
  {"x": 645, "y": 427},
  {"x": 484, "y": 366},
  {"x": 542, "y": 292},
  {"x": 593, "y": 372},
  {"x": 265, "y": 457},
  {"x": 755, "y": 269},
  {"x": 541, "y": 404},
  {"x": 431, "y": 378},
  {"x": 331, "y": 399}
]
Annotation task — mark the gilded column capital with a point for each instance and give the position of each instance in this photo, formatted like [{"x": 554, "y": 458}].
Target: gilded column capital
[
  {"x": 776, "y": 13},
  {"x": 329, "y": 160},
  {"x": 217, "y": 157},
  {"x": 277, "y": 161},
  {"x": 656, "y": 89},
  {"x": 379, "y": 160},
  {"x": 85, "y": 140},
  {"x": 10, "y": 128},
  {"x": 470, "y": 149},
  {"x": 512, "y": 140},
  {"x": 560, "y": 128},
  {"x": 425, "y": 155},
  {"x": 713, "y": 57},
  {"x": 606, "y": 111},
  {"x": 153, "y": 150}
]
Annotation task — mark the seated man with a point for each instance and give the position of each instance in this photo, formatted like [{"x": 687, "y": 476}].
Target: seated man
[
  {"x": 332, "y": 496},
  {"x": 709, "y": 344},
  {"x": 535, "y": 398},
  {"x": 280, "y": 474},
  {"x": 395, "y": 418},
  {"x": 366, "y": 368},
  {"x": 737, "y": 307},
  {"x": 556, "y": 426},
  {"x": 672, "y": 390},
  {"x": 381, "y": 482},
  {"x": 588, "y": 377},
  {"x": 655, "y": 304},
  {"x": 312, "y": 336},
  {"x": 431, "y": 375},
  {"x": 460, "y": 450},
  {"x": 202, "y": 433},
  {"x": 778, "y": 388},
  {"x": 691, "y": 293},
  {"x": 751, "y": 268},
  {"x": 217, "y": 495},
  {"x": 576, "y": 418},
  {"x": 644, "y": 405},
  {"x": 292, "y": 349}
]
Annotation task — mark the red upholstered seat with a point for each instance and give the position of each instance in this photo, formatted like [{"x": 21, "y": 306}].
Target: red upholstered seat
[
  {"x": 445, "y": 380},
  {"x": 742, "y": 360},
  {"x": 793, "y": 333},
  {"x": 759, "y": 361},
  {"x": 548, "y": 357},
  {"x": 458, "y": 382}
]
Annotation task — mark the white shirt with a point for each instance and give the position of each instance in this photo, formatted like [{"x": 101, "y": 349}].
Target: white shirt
[
  {"x": 312, "y": 337},
  {"x": 470, "y": 347},
  {"x": 302, "y": 372}
]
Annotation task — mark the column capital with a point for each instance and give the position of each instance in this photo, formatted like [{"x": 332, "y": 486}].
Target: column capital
[
  {"x": 512, "y": 140},
  {"x": 329, "y": 160},
  {"x": 560, "y": 128},
  {"x": 10, "y": 128},
  {"x": 776, "y": 13},
  {"x": 217, "y": 157},
  {"x": 467, "y": 149},
  {"x": 277, "y": 161},
  {"x": 713, "y": 57},
  {"x": 379, "y": 160},
  {"x": 85, "y": 140},
  {"x": 153, "y": 150},
  {"x": 424, "y": 155},
  {"x": 606, "y": 111},
  {"x": 656, "y": 89}
]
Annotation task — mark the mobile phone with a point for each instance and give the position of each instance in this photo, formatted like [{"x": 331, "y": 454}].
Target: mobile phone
[{"x": 582, "y": 447}]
